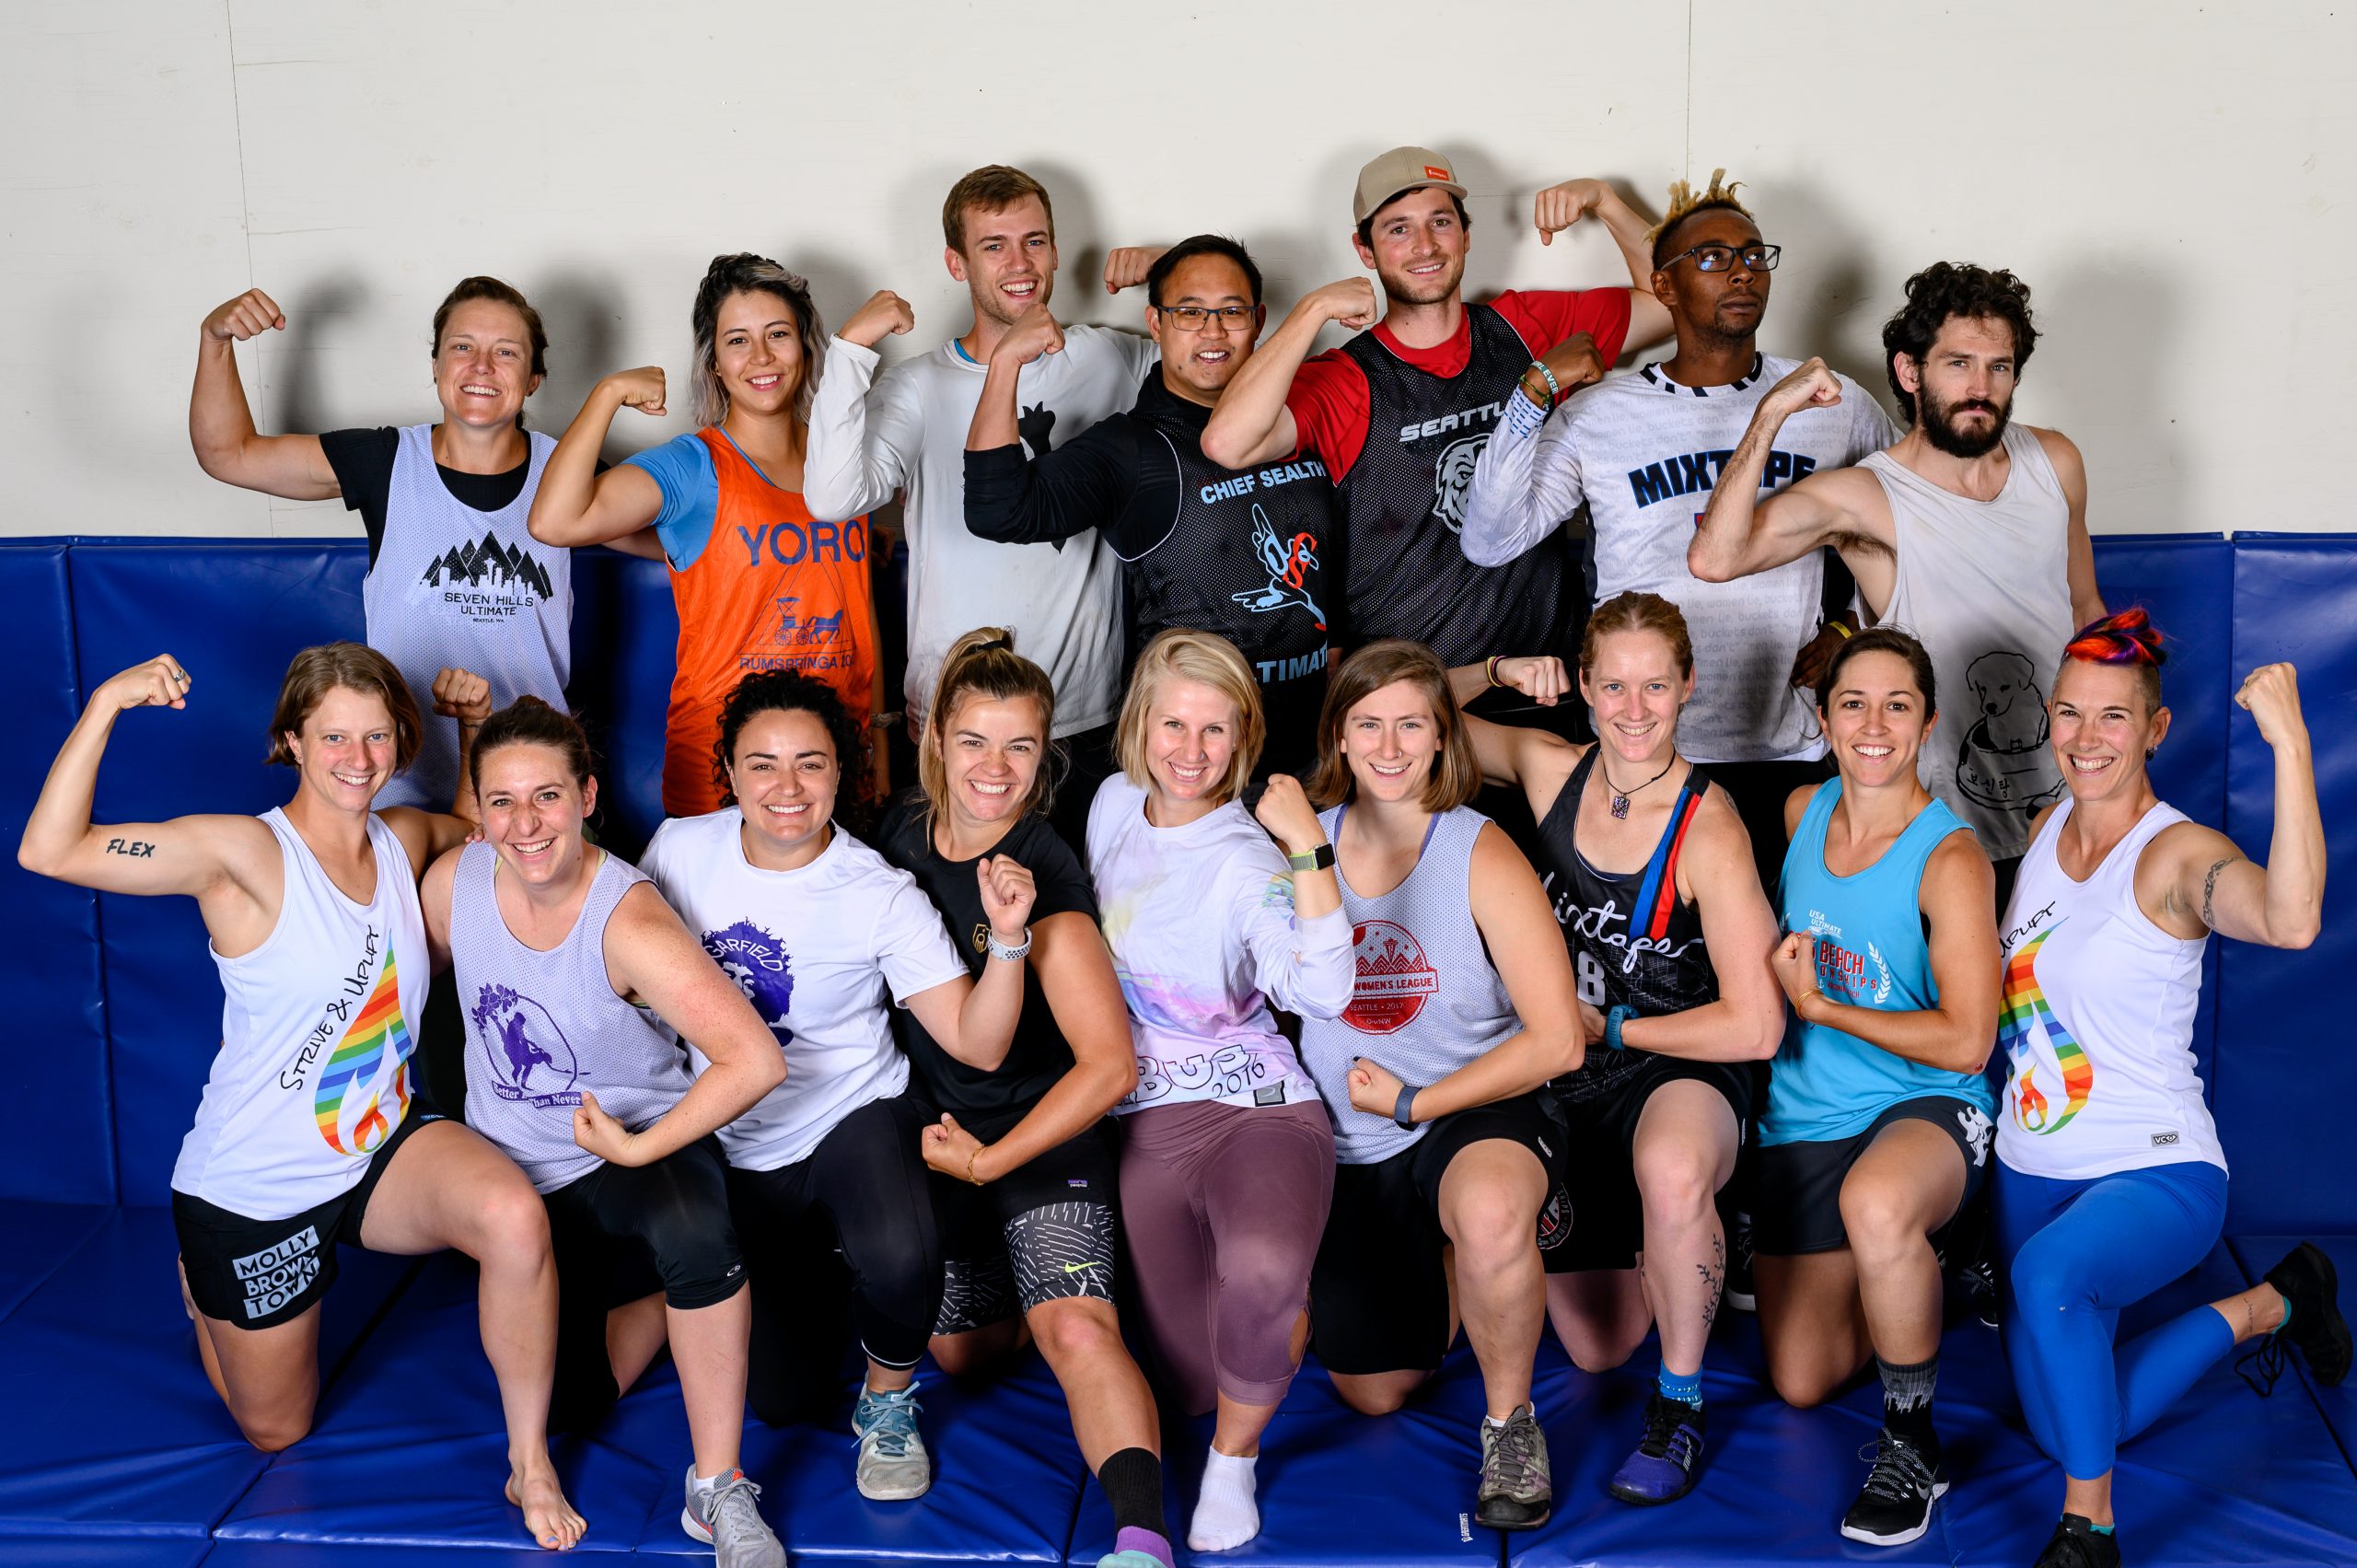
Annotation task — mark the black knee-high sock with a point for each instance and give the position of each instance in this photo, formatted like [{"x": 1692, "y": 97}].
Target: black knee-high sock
[
  {"x": 1132, "y": 1484},
  {"x": 1906, "y": 1400}
]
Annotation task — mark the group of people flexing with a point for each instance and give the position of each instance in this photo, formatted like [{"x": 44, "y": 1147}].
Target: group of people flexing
[{"x": 1188, "y": 975}]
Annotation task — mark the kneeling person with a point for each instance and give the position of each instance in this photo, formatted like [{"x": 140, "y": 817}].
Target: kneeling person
[{"x": 562, "y": 952}]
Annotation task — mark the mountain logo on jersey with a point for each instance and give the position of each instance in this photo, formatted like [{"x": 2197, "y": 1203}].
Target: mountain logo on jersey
[
  {"x": 1394, "y": 981},
  {"x": 2026, "y": 1019},
  {"x": 363, "y": 1089},
  {"x": 757, "y": 962},
  {"x": 1288, "y": 564},
  {"x": 507, "y": 572},
  {"x": 1453, "y": 477},
  {"x": 2002, "y": 762},
  {"x": 520, "y": 1039}
]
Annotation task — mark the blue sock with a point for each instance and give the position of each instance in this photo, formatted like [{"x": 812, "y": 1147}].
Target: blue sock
[
  {"x": 2103, "y": 1530},
  {"x": 2287, "y": 1311},
  {"x": 1674, "y": 1387}
]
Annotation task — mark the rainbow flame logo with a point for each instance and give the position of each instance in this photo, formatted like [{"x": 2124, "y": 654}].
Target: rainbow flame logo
[
  {"x": 2026, "y": 1006},
  {"x": 370, "y": 1063}
]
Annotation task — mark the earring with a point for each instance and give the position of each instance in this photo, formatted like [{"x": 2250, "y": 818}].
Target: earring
[{"x": 2151, "y": 752}]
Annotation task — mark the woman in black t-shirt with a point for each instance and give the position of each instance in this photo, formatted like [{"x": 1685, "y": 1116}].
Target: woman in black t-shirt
[{"x": 1022, "y": 1155}]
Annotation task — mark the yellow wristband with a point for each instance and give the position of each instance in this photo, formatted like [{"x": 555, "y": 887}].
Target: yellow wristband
[
  {"x": 1490, "y": 671},
  {"x": 1842, "y": 627}
]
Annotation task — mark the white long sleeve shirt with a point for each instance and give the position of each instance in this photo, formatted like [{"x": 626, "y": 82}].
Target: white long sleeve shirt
[
  {"x": 1643, "y": 453},
  {"x": 906, "y": 431}
]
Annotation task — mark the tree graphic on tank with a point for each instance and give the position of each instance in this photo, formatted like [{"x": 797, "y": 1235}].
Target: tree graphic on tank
[{"x": 519, "y": 1040}]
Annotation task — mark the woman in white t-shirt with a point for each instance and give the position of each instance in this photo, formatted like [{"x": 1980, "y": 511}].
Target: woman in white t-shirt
[
  {"x": 1227, "y": 1158},
  {"x": 306, "y": 1133},
  {"x": 824, "y": 936},
  {"x": 2110, "y": 1182}
]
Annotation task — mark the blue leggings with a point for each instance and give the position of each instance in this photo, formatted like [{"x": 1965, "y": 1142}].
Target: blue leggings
[{"x": 2077, "y": 1252}]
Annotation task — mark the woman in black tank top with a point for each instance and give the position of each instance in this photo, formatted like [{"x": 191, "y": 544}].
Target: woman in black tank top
[{"x": 1651, "y": 876}]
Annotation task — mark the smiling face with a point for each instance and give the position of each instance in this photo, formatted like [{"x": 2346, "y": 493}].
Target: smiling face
[
  {"x": 991, "y": 749},
  {"x": 483, "y": 367},
  {"x": 1199, "y": 365},
  {"x": 346, "y": 748},
  {"x": 532, "y": 810},
  {"x": 2101, "y": 727},
  {"x": 1635, "y": 690},
  {"x": 1008, "y": 262},
  {"x": 1722, "y": 308},
  {"x": 1390, "y": 738},
  {"x": 1875, "y": 720},
  {"x": 758, "y": 352},
  {"x": 1416, "y": 245},
  {"x": 1191, "y": 738},
  {"x": 784, "y": 775}
]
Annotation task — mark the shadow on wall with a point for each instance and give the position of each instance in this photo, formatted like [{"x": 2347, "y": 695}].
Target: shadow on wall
[
  {"x": 288, "y": 395},
  {"x": 2114, "y": 302},
  {"x": 581, "y": 312},
  {"x": 1839, "y": 313}
]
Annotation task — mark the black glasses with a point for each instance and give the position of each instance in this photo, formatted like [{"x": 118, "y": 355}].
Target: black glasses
[
  {"x": 1195, "y": 317},
  {"x": 1722, "y": 258}
]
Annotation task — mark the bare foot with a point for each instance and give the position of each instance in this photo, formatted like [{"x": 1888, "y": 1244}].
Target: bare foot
[{"x": 549, "y": 1517}]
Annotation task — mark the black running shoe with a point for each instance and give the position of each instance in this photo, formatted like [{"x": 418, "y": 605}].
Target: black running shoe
[
  {"x": 2077, "y": 1545},
  {"x": 1895, "y": 1505},
  {"x": 2309, "y": 1282}
]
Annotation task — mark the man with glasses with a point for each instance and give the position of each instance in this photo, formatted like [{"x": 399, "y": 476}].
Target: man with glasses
[
  {"x": 1243, "y": 553},
  {"x": 1643, "y": 451},
  {"x": 1399, "y": 413}
]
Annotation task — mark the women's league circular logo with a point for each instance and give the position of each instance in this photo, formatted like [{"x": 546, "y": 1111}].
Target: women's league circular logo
[{"x": 1394, "y": 981}]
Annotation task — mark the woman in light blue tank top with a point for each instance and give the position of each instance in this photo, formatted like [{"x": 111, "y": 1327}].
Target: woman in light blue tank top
[
  {"x": 1877, "y": 1126},
  {"x": 1463, "y": 1008},
  {"x": 566, "y": 959}
]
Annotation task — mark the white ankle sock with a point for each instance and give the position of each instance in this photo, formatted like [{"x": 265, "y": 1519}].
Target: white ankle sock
[{"x": 1226, "y": 1515}]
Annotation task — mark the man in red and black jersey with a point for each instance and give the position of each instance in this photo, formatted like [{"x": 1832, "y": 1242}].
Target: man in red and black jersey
[{"x": 1399, "y": 413}]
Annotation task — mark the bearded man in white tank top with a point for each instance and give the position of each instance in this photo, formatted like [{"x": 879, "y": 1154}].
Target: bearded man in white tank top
[{"x": 1968, "y": 532}]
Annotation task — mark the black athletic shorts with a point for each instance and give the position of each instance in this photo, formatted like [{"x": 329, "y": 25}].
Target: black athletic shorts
[
  {"x": 1378, "y": 1299},
  {"x": 257, "y": 1273},
  {"x": 1596, "y": 1219},
  {"x": 1799, "y": 1207},
  {"x": 1043, "y": 1232}
]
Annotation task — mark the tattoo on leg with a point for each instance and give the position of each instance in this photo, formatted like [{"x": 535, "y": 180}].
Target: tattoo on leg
[
  {"x": 2210, "y": 890},
  {"x": 1715, "y": 1279}
]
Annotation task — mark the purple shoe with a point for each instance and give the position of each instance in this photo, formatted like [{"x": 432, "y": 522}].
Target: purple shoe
[{"x": 1663, "y": 1468}]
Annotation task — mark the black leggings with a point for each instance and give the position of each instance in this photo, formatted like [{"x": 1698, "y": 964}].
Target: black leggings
[
  {"x": 842, "y": 1241},
  {"x": 621, "y": 1233}
]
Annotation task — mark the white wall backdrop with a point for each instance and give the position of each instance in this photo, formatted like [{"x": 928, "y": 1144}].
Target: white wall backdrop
[{"x": 2173, "y": 178}]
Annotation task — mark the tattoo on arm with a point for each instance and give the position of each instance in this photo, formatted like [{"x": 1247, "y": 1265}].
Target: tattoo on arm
[
  {"x": 137, "y": 849},
  {"x": 2210, "y": 889}
]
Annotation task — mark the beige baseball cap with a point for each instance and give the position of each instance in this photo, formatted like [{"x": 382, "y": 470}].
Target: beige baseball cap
[{"x": 1401, "y": 169}]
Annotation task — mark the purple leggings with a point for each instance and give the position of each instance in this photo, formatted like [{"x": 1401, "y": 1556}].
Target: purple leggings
[{"x": 1222, "y": 1207}]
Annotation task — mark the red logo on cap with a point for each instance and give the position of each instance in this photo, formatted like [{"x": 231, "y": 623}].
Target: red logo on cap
[{"x": 1432, "y": 173}]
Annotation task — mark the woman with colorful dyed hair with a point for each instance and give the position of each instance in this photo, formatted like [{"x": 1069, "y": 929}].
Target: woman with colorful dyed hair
[
  {"x": 1670, "y": 936},
  {"x": 2110, "y": 1180},
  {"x": 307, "y": 1135}
]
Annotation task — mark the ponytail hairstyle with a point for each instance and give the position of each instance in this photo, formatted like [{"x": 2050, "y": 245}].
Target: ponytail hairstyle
[
  {"x": 472, "y": 289},
  {"x": 1209, "y": 659},
  {"x": 1881, "y": 640},
  {"x": 354, "y": 667},
  {"x": 529, "y": 721},
  {"x": 2127, "y": 638},
  {"x": 983, "y": 664},
  {"x": 1636, "y": 611},
  {"x": 744, "y": 273}
]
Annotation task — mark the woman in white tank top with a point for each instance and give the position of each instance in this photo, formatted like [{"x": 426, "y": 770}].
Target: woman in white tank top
[
  {"x": 305, "y": 1135},
  {"x": 1463, "y": 1006},
  {"x": 2110, "y": 1180}
]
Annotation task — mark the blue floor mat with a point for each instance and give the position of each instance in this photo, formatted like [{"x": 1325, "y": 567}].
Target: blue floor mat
[
  {"x": 36, "y": 1237},
  {"x": 104, "y": 1551},
  {"x": 111, "y": 1426}
]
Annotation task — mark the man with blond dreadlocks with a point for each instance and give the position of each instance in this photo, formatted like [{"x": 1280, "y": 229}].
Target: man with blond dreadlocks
[{"x": 1643, "y": 450}]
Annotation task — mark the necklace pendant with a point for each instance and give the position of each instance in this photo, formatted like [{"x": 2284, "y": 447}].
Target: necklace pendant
[{"x": 1621, "y": 807}]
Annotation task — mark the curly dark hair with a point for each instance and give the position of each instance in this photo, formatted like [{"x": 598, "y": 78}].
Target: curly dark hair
[
  {"x": 1944, "y": 289},
  {"x": 790, "y": 691}
]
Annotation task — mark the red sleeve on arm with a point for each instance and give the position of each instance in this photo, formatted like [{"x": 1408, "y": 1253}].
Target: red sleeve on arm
[
  {"x": 1546, "y": 316},
  {"x": 1330, "y": 407}
]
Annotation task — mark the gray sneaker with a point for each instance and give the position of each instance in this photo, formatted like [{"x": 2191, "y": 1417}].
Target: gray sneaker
[
  {"x": 726, "y": 1519},
  {"x": 893, "y": 1465},
  {"x": 1517, "y": 1493}
]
